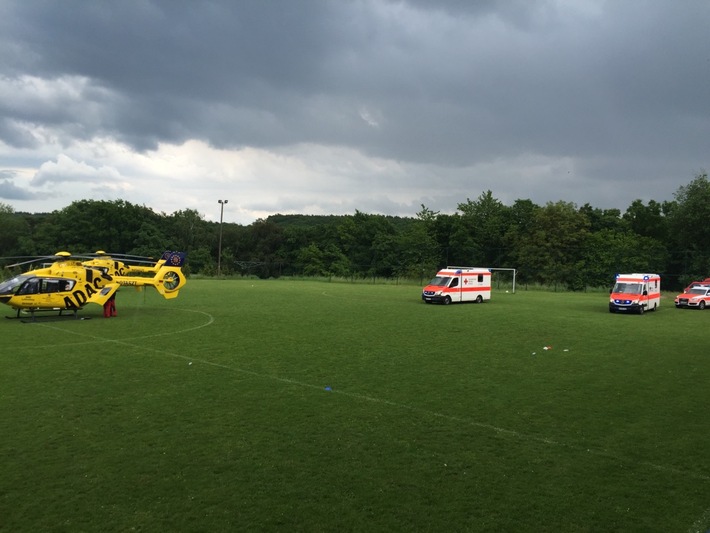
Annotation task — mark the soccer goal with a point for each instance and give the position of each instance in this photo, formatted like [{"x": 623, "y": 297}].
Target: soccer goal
[{"x": 502, "y": 278}]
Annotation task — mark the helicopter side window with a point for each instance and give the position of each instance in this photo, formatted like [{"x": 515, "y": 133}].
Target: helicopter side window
[
  {"x": 68, "y": 285},
  {"x": 31, "y": 286},
  {"x": 50, "y": 285}
]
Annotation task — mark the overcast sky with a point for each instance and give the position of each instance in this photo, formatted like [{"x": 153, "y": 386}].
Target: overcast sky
[{"x": 332, "y": 106}]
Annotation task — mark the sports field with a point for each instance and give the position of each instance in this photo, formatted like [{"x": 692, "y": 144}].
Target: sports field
[{"x": 313, "y": 406}]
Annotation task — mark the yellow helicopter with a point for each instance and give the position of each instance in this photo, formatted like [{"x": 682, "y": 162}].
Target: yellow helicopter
[
  {"x": 68, "y": 285},
  {"x": 119, "y": 264}
]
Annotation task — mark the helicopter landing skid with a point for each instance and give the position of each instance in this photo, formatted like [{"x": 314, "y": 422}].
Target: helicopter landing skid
[{"x": 34, "y": 317}]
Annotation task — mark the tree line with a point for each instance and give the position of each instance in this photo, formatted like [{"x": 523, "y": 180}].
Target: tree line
[{"x": 558, "y": 243}]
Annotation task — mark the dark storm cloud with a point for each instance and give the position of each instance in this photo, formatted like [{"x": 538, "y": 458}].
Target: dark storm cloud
[
  {"x": 178, "y": 69},
  {"x": 453, "y": 84}
]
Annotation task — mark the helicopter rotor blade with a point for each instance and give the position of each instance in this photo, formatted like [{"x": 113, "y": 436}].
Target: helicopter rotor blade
[
  {"x": 33, "y": 260},
  {"x": 121, "y": 256},
  {"x": 123, "y": 259}
]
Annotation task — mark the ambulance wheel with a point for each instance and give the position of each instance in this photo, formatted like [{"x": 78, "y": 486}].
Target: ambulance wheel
[
  {"x": 701, "y": 305},
  {"x": 447, "y": 300},
  {"x": 479, "y": 299},
  {"x": 640, "y": 309}
]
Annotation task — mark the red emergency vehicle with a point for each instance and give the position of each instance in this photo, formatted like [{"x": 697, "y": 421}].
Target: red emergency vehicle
[
  {"x": 459, "y": 284},
  {"x": 696, "y": 296},
  {"x": 635, "y": 293}
]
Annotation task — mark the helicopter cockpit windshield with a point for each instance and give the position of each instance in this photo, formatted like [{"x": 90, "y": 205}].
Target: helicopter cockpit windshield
[{"x": 10, "y": 286}]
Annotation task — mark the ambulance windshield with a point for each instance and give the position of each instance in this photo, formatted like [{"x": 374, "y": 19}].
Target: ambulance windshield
[
  {"x": 627, "y": 288},
  {"x": 440, "y": 281}
]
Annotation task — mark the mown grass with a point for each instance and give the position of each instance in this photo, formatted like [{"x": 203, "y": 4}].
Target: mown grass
[{"x": 311, "y": 406}]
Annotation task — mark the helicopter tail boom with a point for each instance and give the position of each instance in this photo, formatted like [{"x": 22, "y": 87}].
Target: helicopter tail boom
[{"x": 167, "y": 281}]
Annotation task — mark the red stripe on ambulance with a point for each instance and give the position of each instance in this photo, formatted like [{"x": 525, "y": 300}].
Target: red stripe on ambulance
[
  {"x": 635, "y": 293},
  {"x": 459, "y": 284}
]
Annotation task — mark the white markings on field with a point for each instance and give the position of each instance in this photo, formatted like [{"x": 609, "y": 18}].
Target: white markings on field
[
  {"x": 702, "y": 524},
  {"x": 435, "y": 414},
  {"x": 95, "y": 338},
  {"x": 505, "y": 432}
]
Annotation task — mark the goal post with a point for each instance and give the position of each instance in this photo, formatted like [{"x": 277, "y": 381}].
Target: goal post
[{"x": 513, "y": 270}]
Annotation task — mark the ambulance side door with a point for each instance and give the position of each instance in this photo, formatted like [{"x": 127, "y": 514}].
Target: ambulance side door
[{"x": 455, "y": 289}]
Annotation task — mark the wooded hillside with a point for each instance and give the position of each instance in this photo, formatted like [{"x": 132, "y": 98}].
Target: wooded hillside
[{"x": 557, "y": 243}]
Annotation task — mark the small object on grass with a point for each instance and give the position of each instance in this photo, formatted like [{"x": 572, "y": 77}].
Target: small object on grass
[{"x": 328, "y": 389}]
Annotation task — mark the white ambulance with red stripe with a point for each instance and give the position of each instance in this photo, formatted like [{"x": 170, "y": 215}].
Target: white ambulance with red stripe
[
  {"x": 635, "y": 293},
  {"x": 459, "y": 284}
]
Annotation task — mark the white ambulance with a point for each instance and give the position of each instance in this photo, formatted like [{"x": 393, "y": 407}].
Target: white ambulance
[
  {"x": 635, "y": 293},
  {"x": 459, "y": 284}
]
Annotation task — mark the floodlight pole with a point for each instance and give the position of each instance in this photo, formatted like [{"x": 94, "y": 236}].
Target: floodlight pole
[{"x": 219, "y": 248}]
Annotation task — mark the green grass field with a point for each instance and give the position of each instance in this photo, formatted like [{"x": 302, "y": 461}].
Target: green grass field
[{"x": 312, "y": 406}]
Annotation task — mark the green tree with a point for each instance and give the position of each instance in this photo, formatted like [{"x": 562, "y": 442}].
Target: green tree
[
  {"x": 90, "y": 225},
  {"x": 601, "y": 219},
  {"x": 520, "y": 221},
  {"x": 312, "y": 261},
  {"x": 648, "y": 220},
  {"x": 689, "y": 226},
  {"x": 609, "y": 252},
  {"x": 13, "y": 229},
  {"x": 416, "y": 246},
  {"x": 367, "y": 241},
  {"x": 485, "y": 222},
  {"x": 188, "y": 230},
  {"x": 263, "y": 249},
  {"x": 149, "y": 240},
  {"x": 443, "y": 232},
  {"x": 315, "y": 261},
  {"x": 201, "y": 261},
  {"x": 551, "y": 249}
]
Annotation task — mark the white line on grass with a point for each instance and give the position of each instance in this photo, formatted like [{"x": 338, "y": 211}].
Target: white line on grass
[
  {"x": 210, "y": 320},
  {"x": 513, "y": 433},
  {"x": 701, "y": 524},
  {"x": 435, "y": 414}
]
